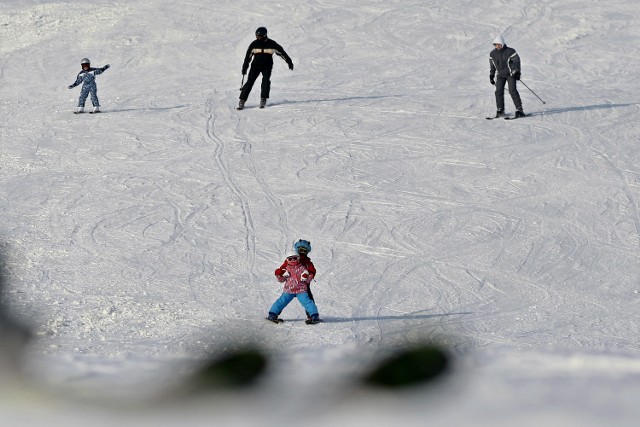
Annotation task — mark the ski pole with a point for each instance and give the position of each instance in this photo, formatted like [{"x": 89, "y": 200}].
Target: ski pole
[
  {"x": 242, "y": 84},
  {"x": 525, "y": 85}
]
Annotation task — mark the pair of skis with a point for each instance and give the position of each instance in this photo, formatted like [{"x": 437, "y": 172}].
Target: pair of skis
[
  {"x": 308, "y": 321},
  {"x": 506, "y": 117}
]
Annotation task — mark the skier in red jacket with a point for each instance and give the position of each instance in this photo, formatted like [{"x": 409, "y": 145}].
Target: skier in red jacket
[
  {"x": 303, "y": 247},
  {"x": 296, "y": 273}
]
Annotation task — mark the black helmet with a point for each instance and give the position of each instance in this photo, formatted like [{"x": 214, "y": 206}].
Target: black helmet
[{"x": 261, "y": 32}]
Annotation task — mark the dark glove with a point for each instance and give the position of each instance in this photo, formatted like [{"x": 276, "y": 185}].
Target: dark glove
[
  {"x": 70, "y": 86},
  {"x": 291, "y": 65},
  {"x": 244, "y": 71},
  {"x": 105, "y": 67},
  {"x": 492, "y": 79},
  {"x": 517, "y": 75}
]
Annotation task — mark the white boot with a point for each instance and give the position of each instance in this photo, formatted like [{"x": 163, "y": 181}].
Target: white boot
[
  {"x": 79, "y": 110},
  {"x": 96, "y": 109}
]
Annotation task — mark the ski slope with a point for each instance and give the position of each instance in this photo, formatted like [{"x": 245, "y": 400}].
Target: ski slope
[{"x": 140, "y": 239}]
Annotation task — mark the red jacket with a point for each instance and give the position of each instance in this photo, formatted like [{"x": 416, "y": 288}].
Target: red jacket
[
  {"x": 304, "y": 260},
  {"x": 294, "y": 283}
]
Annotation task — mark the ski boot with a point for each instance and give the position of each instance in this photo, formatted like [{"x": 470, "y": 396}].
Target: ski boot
[
  {"x": 241, "y": 104},
  {"x": 263, "y": 102},
  {"x": 274, "y": 318},
  {"x": 315, "y": 318},
  {"x": 520, "y": 113}
]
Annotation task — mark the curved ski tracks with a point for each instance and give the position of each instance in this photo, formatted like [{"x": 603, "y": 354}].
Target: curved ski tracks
[{"x": 227, "y": 176}]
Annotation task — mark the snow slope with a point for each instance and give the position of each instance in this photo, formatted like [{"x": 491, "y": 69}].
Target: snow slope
[{"x": 141, "y": 239}]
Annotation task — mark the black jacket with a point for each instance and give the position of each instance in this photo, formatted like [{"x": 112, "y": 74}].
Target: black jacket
[
  {"x": 262, "y": 52},
  {"x": 505, "y": 61}
]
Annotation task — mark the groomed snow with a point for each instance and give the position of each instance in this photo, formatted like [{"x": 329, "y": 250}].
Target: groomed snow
[{"x": 141, "y": 239}]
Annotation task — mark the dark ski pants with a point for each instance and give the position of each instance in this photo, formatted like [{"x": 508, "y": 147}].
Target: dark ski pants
[
  {"x": 254, "y": 73},
  {"x": 311, "y": 298},
  {"x": 84, "y": 93},
  {"x": 513, "y": 91}
]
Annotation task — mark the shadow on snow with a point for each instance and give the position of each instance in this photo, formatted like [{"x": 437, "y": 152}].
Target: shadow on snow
[
  {"x": 580, "y": 108},
  {"x": 123, "y": 110},
  {"x": 394, "y": 317},
  {"x": 350, "y": 98}
]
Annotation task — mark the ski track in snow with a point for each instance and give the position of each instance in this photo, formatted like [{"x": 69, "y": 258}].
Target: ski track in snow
[
  {"x": 229, "y": 179},
  {"x": 148, "y": 235}
]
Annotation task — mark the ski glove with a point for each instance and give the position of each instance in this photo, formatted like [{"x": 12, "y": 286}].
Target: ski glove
[
  {"x": 492, "y": 80},
  {"x": 291, "y": 65},
  {"x": 105, "y": 67},
  {"x": 305, "y": 276},
  {"x": 517, "y": 75}
]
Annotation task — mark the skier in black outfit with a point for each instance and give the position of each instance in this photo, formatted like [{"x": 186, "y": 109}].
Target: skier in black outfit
[
  {"x": 505, "y": 61},
  {"x": 261, "y": 50}
]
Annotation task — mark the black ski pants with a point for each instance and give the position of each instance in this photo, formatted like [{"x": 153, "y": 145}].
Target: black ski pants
[
  {"x": 254, "y": 73},
  {"x": 513, "y": 91},
  {"x": 310, "y": 297}
]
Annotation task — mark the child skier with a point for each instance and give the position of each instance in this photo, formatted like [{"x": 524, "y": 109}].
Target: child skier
[
  {"x": 296, "y": 279},
  {"x": 88, "y": 79},
  {"x": 303, "y": 247}
]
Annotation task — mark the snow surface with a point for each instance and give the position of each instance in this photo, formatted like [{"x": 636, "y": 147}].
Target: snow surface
[{"x": 139, "y": 240}]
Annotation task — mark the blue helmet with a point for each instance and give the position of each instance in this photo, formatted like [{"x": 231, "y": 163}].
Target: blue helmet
[{"x": 302, "y": 246}]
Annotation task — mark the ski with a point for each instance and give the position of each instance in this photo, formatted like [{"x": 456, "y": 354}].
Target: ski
[
  {"x": 515, "y": 117},
  {"x": 277, "y": 321},
  {"x": 497, "y": 116}
]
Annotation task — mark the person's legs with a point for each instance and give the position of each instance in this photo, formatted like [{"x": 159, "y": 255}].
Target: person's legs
[
  {"x": 500, "y": 82},
  {"x": 513, "y": 91},
  {"x": 266, "y": 83},
  {"x": 84, "y": 93},
  {"x": 311, "y": 298},
  {"x": 281, "y": 303},
  {"x": 248, "y": 85},
  {"x": 308, "y": 304}
]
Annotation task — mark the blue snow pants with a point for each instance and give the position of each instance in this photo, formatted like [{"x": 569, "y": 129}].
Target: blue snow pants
[
  {"x": 89, "y": 88},
  {"x": 286, "y": 298}
]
